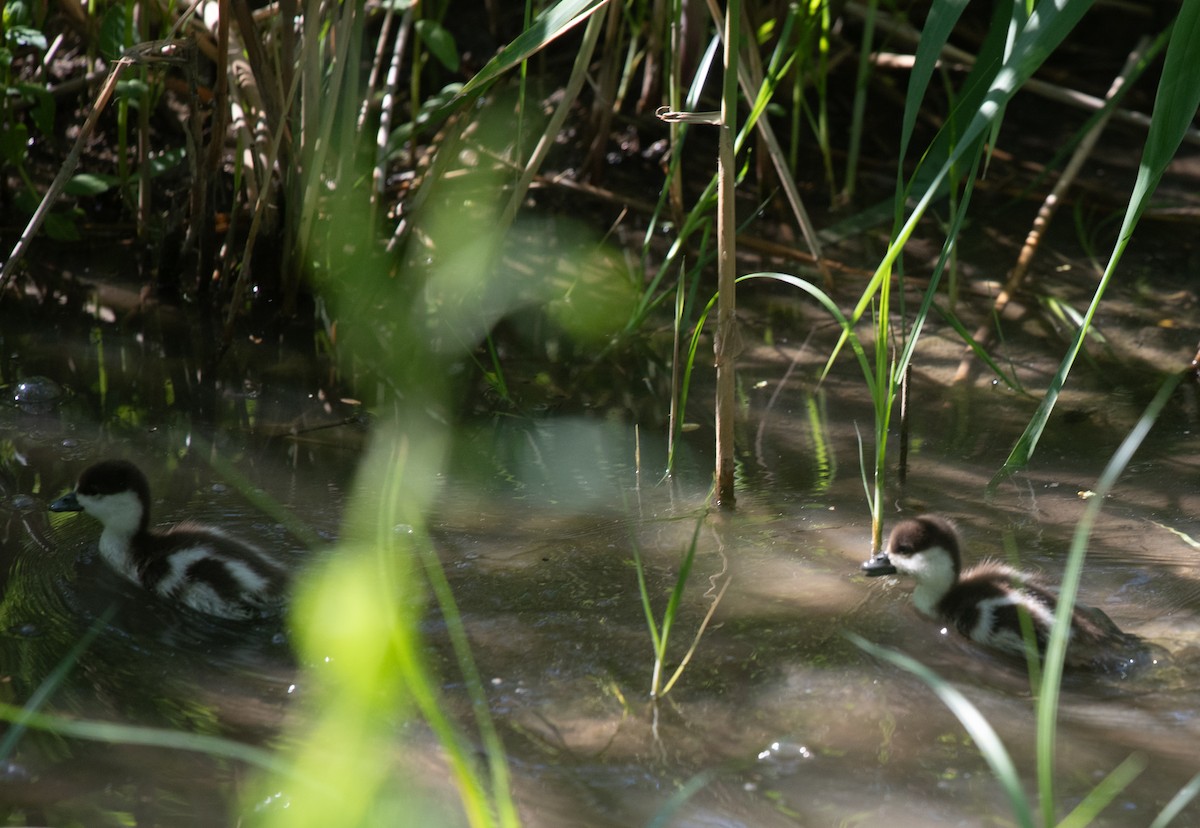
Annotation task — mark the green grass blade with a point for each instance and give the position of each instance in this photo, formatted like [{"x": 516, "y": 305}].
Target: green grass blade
[
  {"x": 549, "y": 26},
  {"x": 866, "y": 479},
  {"x": 984, "y": 735},
  {"x": 501, "y": 802},
  {"x": 644, "y": 591},
  {"x": 859, "y": 107},
  {"x": 829, "y": 305},
  {"x": 685, "y": 569},
  {"x": 943, "y": 16},
  {"x": 980, "y": 352},
  {"x": 1174, "y": 107},
  {"x": 1040, "y": 35},
  {"x": 1100, "y": 796},
  {"x": 123, "y": 734},
  {"x": 1178, "y": 802},
  {"x": 1056, "y": 650},
  {"x": 21, "y": 717},
  {"x": 672, "y": 609}
]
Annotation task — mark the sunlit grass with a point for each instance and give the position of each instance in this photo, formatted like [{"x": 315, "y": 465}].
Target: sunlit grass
[{"x": 660, "y": 631}]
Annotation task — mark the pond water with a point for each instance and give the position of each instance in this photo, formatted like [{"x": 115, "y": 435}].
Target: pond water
[{"x": 778, "y": 719}]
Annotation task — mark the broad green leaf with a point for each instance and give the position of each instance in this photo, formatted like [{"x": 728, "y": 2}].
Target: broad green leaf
[
  {"x": 26, "y": 37},
  {"x": 89, "y": 184},
  {"x": 17, "y": 13},
  {"x": 439, "y": 41},
  {"x": 112, "y": 32},
  {"x": 62, "y": 227},
  {"x": 13, "y": 142},
  {"x": 43, "y": 107}
]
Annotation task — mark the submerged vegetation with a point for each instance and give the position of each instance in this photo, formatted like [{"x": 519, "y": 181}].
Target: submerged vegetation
[{"x": 473, "y": 214}]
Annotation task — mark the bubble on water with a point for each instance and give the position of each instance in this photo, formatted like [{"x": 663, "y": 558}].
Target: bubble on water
[{"x": 785, "y": 753}]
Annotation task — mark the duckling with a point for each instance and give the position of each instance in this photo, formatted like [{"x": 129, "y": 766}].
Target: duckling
[
  {"x": 984, "y": 602},
  {"x": 198, "y": 566}
]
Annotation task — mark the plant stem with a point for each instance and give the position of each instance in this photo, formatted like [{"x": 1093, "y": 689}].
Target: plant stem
[{"x": 724, "y": 341}]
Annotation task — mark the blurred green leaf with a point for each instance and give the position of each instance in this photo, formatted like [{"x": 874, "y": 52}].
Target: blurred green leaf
[
  {"x": 89, "y": 184},
  {"x": 164, "y": 161},
  {"x": 439, "y": 41},
  {"x": 13, "y": 142},
  {"x": 434, "y": 109},
  {"x": 93, "y": 184},
  {"x": 112, "y": 33},
  {"x": 132, "y": 90},
  {"x": 26, "y": 37},
  {"x": 62, "y": 227},
  {"x": 42, "y": 111},
  {"x": 17, "y": 13}
]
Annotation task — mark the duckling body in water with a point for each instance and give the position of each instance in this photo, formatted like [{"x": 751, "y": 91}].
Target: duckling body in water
[
  {"x": 985, "y": 602},
  {"x": 198, "y": 566}
]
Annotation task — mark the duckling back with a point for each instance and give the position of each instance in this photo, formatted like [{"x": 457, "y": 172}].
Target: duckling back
[{"x": 209, "y": 571}]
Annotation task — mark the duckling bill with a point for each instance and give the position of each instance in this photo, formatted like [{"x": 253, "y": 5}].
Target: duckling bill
[
  {"x": 198, "y": 566},
  {"x": 985, "y": 602}
]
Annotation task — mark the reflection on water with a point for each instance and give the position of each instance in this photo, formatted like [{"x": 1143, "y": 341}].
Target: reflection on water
[{"x": 794, "y": 724}]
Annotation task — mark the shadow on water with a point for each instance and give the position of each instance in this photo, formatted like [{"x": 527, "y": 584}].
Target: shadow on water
[{"x": 778, "y": 719}]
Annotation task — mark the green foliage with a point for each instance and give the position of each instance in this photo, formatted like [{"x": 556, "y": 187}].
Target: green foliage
[
  {"x": 439, "y": 42},
  {"x": 12, "y": 143},
  {"x": 113, "y": 25},
  {"x": 1174, "y": 108}
]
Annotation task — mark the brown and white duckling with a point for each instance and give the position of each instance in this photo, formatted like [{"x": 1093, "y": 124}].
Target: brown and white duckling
[
  {"x": 198, "y": 566},
  {"x": 983, "y": 603}
]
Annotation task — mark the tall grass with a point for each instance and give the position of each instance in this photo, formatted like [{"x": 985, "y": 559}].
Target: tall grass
[
  {"x": 1020, "y": 40},
  {"x": 1174, "y": 109}
]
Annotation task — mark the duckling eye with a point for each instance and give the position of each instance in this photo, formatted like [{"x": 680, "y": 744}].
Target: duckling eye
[{"x": 905, "y": 549}]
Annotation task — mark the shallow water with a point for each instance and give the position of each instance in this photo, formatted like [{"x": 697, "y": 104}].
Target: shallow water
[{"x": 778, "y": 720}]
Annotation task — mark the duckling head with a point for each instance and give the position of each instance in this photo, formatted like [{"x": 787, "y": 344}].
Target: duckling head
[
  {"x": 114, "y": 492},
  {"x": 926, "y": 549}
]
